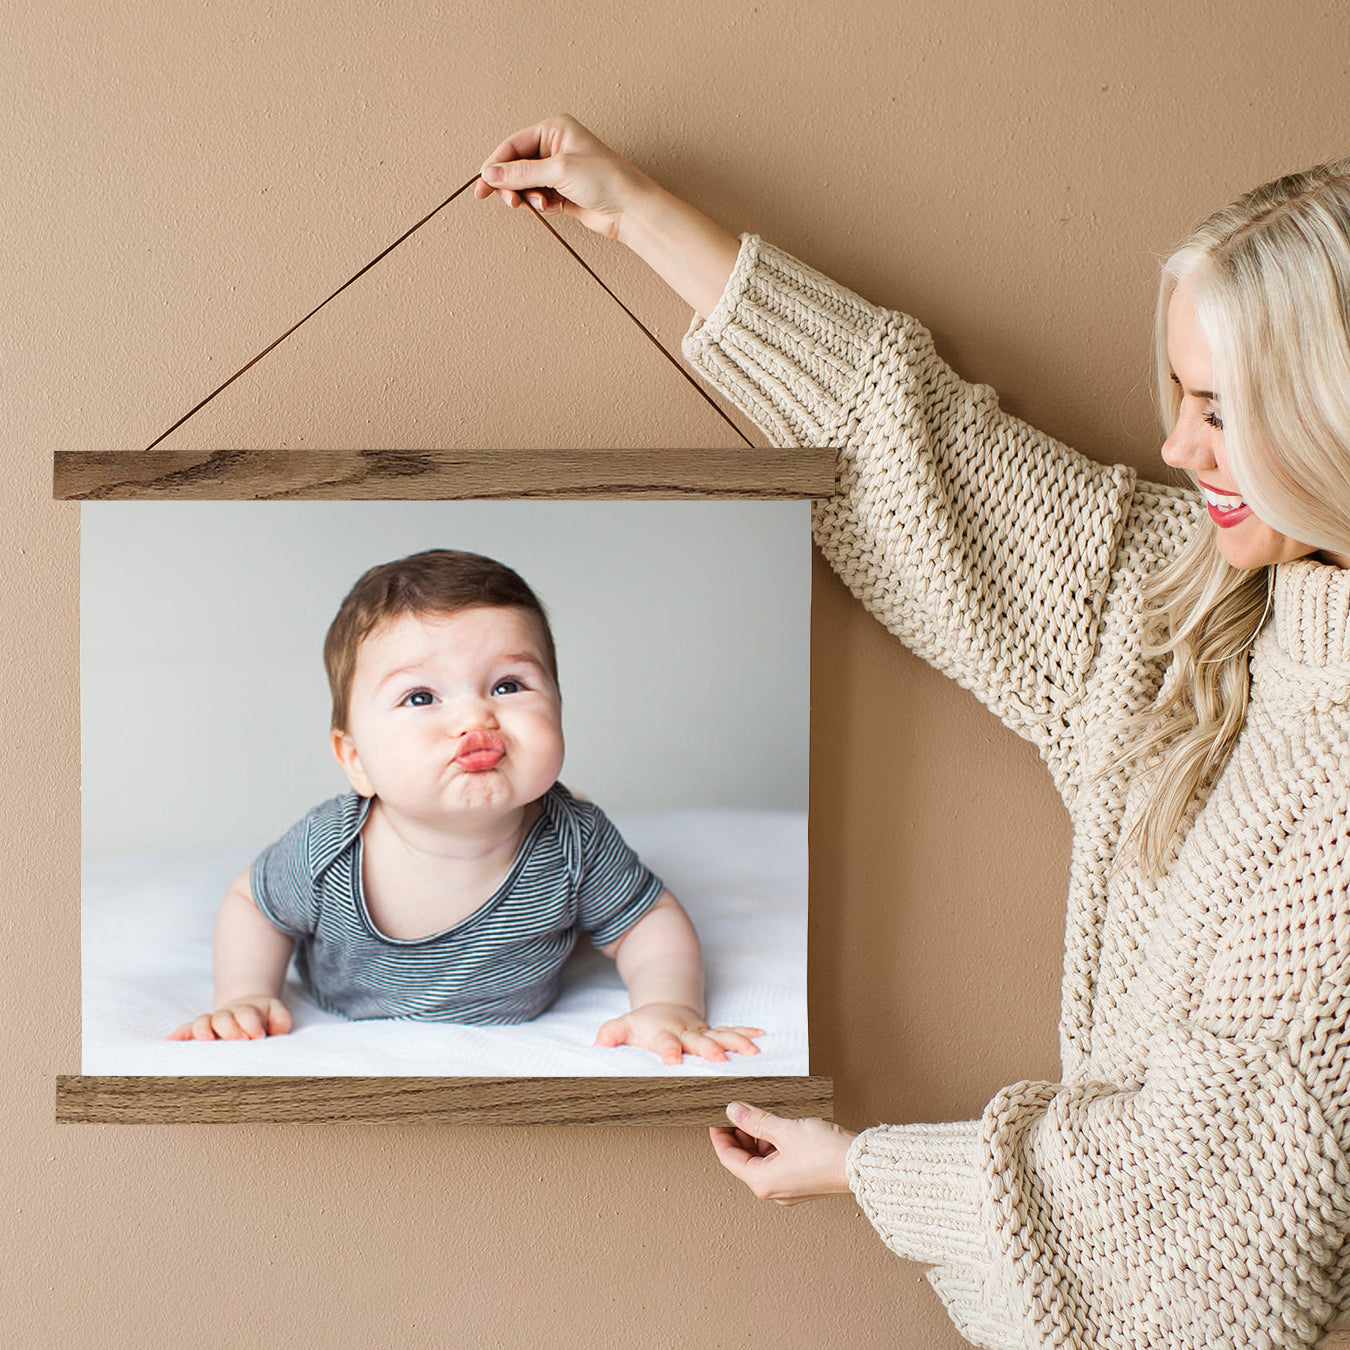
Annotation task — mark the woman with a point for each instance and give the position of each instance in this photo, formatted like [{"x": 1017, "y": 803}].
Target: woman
[{"x": 1182, "y": 662}]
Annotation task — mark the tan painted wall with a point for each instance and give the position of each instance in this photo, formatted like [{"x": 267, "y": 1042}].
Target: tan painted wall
[{"x": 182, "y": 180}]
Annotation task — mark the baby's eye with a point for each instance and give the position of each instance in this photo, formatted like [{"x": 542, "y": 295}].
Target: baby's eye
[
  {"x": 1214, "y": 420},
  {"x": 508, "y": 686},
  {"x": 418, "y": 698}
]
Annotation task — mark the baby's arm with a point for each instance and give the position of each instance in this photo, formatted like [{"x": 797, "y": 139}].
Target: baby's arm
[
  {"x": 251, "y": 957},
  {"x": 660, "y": 963}
]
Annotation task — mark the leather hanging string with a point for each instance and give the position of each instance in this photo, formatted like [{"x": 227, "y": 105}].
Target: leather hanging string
[
  {"x": 384, "y": 253},
  {"x": 693, "y": 383}
]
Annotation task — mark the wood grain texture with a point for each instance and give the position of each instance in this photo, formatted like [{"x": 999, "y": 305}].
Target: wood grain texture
[
  {"x": 407, "y": 475},
  {"x": 423, "y": 1101}
]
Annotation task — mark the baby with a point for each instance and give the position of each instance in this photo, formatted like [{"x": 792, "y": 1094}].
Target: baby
[{"x": 451, "y": 883}]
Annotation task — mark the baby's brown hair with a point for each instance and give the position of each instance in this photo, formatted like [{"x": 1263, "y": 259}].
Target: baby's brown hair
[{"x": 439, "y": 581}]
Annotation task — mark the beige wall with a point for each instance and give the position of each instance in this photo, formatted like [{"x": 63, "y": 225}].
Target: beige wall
[{"x": 183, "y": 180}]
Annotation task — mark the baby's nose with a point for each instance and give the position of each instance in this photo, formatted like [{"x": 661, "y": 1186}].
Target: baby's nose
[{"x": 473, "y": 714}]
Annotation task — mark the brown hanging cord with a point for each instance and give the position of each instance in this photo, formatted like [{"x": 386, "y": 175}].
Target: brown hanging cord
[
  {"x": 464, "y": 188},
  {"x": 694, "y": 384}
]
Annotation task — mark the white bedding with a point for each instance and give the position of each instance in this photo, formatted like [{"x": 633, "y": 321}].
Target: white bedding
[{"x": 741, "y": 875}]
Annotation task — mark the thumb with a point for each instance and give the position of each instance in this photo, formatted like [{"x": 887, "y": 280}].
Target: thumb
[
  {"x": 613, "y": 1032},
  {"x": 754, "y": 1121},
  {"x": 517, "y": 174}
]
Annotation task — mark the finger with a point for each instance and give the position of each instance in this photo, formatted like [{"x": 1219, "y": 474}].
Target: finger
[
  {"x": 202, "y": 1029},
  {"x": 225, "y": 1026},
  {"x": 515, "y": 175},
  {"x": 613, "y": 1032},
  {"x": 250, "y": 1021},
  {"x": 734, "y": 1038},
  {"x": 183, "y": 1033},
  {"x": 731, "y": 1151},
  {"x": 760, "y": 1147},
  {"x": 754, "y": 1121},
  {"x": 527, "y": 143},
  {"x": 667, "y": 1047},
  {"x": 703, "y": 1044},
  {"x": 745, "y": 1165},
  {"x": 278, "y": 1018}
]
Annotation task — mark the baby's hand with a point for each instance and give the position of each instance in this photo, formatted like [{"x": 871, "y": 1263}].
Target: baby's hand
[
  {"x": 670, "y": 1031},
  {"x": 245, "y": 1019}
]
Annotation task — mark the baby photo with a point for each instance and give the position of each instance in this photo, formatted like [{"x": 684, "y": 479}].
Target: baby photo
[{"x": 558, "y": 752}]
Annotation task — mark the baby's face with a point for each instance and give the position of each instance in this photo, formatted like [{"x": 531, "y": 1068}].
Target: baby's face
[{"x": 453, "y": 714}]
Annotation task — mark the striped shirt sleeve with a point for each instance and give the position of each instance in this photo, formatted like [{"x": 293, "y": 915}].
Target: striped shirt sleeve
[
  {"x": 284, "y": 887},
  {"x": 615, "y": 888}
]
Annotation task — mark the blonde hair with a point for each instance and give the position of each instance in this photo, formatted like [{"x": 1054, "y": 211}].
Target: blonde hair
[{"x": 1270, "y": 275}]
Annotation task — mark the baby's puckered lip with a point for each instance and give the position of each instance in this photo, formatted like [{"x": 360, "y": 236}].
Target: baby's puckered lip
[{"x": 480, "y": 750}]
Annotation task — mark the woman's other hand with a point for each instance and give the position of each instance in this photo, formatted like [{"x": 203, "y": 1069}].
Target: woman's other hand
[{"x": 786, "y": 1161}]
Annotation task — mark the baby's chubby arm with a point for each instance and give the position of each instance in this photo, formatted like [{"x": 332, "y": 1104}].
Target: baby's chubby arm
[
  {"x": 660, "y": 962},
  {"x": 250, "y": 959}
]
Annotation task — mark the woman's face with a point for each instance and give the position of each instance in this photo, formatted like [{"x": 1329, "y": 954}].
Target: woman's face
[{"x": 1196, "y": 445}]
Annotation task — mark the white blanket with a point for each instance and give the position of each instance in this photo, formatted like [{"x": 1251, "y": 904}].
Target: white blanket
[{"x": 740, "y": 874}]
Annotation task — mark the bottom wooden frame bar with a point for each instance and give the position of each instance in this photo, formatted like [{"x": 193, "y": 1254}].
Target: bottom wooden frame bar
[{"x": 146, "y": 1100}]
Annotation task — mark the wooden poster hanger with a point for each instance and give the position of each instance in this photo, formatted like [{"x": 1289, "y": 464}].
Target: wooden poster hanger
[{"x": 403, "y": 474}]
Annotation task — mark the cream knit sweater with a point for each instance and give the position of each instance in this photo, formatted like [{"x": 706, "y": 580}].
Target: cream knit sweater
[{"x": 1187, "y": 1182}]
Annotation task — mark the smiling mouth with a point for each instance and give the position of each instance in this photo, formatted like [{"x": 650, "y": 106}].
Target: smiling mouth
[
  {"x": 479, "y": 751},
  {"x": 1225, "y": 508}
]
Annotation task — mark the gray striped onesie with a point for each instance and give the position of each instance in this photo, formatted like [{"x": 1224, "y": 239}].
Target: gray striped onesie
[{"x": 502, "y": 963}]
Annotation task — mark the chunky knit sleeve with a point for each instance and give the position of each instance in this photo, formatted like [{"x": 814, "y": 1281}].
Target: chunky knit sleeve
[
  {"x": 981, "y": 543},
  {"x": 1209, "y": 1207},
  {"x": 1206, "y": 1204}
]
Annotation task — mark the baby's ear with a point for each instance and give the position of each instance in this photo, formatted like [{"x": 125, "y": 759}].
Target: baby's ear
[{"x": 344, "y": 751}]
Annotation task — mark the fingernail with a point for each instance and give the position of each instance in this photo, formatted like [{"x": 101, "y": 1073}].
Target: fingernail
[
  {"x": 494, "y": 173},
  {"x": 736, "y": 1112}
]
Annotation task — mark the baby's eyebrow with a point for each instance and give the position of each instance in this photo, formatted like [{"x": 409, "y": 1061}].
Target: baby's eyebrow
[{"x": 412, "y": 668}]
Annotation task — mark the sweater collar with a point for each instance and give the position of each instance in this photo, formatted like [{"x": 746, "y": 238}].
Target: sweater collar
[{"x": 1312, "y": 613}]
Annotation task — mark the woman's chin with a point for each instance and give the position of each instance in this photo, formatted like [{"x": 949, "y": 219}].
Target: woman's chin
[{"x": 1253, "y": 544}]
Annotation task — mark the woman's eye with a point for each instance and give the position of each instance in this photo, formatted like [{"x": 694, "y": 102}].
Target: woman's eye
[
  {"x": 419, "y": 698},
  {"x": 507, "y": 687},
  {"x": 1214, "y": 420}
]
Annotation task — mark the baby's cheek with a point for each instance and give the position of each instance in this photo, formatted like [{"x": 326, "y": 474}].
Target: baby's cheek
[{"x": 548, "y": 739}]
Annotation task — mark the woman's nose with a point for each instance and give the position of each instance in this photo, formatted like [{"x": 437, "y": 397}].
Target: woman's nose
[{"x": 1183, "y": 449}]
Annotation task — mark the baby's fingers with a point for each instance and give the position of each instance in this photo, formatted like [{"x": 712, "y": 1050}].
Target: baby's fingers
[
  {"x": 613, "y": 1032},
  {"x": 736, "y": 1038},
  {"x": 704, "y": 1044},
  {"x": 668, "y": 1047},
  {"x": 225, "y": 1026},
  {"x": 250, "y": 1022},
  {"x": 199, "y": 1029}
]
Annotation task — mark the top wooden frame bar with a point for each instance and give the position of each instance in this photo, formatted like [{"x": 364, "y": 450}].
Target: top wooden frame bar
[{"x": 429, "y": 475}]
